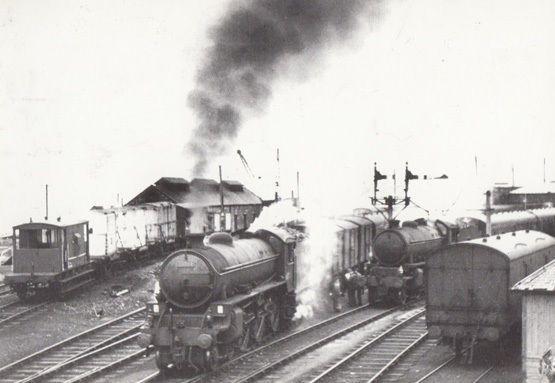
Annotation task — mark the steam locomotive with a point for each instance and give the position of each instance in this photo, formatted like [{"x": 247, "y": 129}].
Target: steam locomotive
[
  {"x": 400, "y": 252},
  {"x": 221, "y": 298}
]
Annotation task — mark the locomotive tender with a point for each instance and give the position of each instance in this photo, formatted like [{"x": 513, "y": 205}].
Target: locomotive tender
[
  {"x": 220, "y": 298},
  {"x": 400, "y": 252},
  {"x": 468, "y": 297}
]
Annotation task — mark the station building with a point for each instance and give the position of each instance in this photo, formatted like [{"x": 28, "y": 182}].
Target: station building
[
  {"x": 538, "y": 320},
  {"x": 199, "y": 201}
]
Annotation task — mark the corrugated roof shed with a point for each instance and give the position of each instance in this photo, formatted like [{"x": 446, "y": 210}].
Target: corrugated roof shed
[
  {"x": 541, "y": 280},
  {"x": 172, "y": 180},
  {"x": 200, "y": 192}
]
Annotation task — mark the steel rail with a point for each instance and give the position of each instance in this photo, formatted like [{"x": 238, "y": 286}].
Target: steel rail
[
  {"x": 275, "y": 342},
  {"x": 81, "y": 355},
  {"x": 373, "y": 342},
  {"x": 447, "y": 362},
  {"x": 88, "y": 357},
  {"x": 60, "y": 345},
  {"x": 272, "y": 365},
  {"x": 5, "y": 289},
  {"x": 483, "y": 374},
  {"x": 398, "y": 357},
  {"x": 18, "y": 314}
]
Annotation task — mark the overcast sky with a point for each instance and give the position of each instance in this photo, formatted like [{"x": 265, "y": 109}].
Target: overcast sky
[{"x": 93, "y": 101}]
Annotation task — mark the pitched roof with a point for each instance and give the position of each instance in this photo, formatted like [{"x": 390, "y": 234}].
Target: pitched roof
[
  {"x": 541, "y": 280},
  {"x": 197, "y": 193}
]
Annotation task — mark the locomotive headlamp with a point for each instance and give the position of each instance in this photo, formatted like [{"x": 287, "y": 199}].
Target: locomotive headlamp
[{"x": 220, "y": 309}]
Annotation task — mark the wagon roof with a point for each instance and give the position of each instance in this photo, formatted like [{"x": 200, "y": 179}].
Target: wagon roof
[
  {"x": 44, "y": 224},
  {"x": 356, "y": 219},
  {"x": 541, "y": 280},
  {"x": 343, "y": 223},
  {"x": 511, "y": 215},
  {"x": 512, "y": 245}
]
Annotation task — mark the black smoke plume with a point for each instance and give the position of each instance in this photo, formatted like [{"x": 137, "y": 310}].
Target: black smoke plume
[{"x": 247, "y": 45}]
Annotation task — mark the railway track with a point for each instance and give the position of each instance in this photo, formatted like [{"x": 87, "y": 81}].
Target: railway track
[
  {"x": 471, "y": 374},
  {"x": 15, "y": 310},
  {"x": 374, "y": 358},
  {"x": 5, "y": 289},
  {"x": 311, "y": 334},
  {"x": 82, "y": 356},
  {"x": 265, "y": 362}
]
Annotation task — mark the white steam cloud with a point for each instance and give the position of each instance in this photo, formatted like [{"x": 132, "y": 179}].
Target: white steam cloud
[{"x": 314, "y": 253}]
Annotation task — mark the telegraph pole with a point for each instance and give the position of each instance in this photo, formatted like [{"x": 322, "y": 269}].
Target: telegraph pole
[
  {"x": 46, "y": 202},
  {"x": 222, "y": 211}
]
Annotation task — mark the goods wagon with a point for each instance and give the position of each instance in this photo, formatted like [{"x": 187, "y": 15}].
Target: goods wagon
[
  {"x": 349, "y": 259},
  {"x": 468, "y": 297},
  {"x": 50, "y": 255},
  {"x": 129, "y": 231}
]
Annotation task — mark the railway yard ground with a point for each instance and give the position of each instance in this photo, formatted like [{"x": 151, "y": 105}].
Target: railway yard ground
[
  {"x": 94, "y": 306},
  {"x": 83, "y": 310}
]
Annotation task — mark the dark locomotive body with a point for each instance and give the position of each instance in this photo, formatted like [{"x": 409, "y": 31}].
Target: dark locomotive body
[
  {"x": 468, "y": 297},
  {"x": 221, "y": 298},
  {"x": 400, "y": 253}
]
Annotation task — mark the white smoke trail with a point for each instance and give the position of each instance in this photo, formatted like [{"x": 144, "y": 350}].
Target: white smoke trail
[
  {"x": 314, "y": 266},
  {"x": 314, "y": 253}
]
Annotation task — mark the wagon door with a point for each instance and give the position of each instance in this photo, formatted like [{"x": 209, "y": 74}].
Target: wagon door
[{"x": 466, "y": 290}]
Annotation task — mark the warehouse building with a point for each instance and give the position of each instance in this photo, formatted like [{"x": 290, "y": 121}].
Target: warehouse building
[
  {"x": 527, "y": 197},
  {"x": 200, "y": 202},
  {"x": 538, "y": 321}
]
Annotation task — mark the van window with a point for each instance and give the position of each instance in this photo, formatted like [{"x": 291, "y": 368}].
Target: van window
[{"x": 39, "y": 239}]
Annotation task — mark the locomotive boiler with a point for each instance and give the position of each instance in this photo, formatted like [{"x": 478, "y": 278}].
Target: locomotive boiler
[
  {"x": 227, "y": 295},
  {"x": 399, "y": 255}
]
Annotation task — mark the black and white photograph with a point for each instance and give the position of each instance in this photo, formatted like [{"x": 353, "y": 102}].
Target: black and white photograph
[{"x": 283, "y": 191}]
